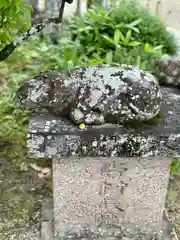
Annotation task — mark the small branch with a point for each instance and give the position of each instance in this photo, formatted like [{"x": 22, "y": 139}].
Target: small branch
[
  {"x": 61, "y": 10},
  {"x": 33, "y": 30}
]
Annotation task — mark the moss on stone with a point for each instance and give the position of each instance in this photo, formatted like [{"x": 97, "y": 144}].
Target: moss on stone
[{"x": 137, "y": 124}]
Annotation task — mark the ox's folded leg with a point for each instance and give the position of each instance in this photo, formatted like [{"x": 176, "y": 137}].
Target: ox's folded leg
[{"x": 84, "y": 109}]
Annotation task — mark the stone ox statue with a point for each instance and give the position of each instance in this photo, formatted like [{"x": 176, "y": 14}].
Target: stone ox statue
[
  {"x": 95, "y": 95},
  {"x": 102, "y": 93}
]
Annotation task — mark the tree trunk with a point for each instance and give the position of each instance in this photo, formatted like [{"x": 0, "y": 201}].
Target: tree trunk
[
  {"x": 89, "y": 2},
  {"x": 37, "y": 14},
  {"x": 52, "y": 10},
  {"x": 78, "y": 6}
]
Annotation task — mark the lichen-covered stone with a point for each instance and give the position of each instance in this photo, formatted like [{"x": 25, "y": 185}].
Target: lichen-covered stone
[
  {"x": 54, "y": 136},
  {"x": 114, "y": 232},
  {"x": 96, "y": 94},
  {"x": 168, "y": 71}
]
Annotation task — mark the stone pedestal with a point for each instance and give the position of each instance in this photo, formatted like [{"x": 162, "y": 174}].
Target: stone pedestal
[
  {"x": 108, "y": 180},
  {"x": 104, "y": 196}
]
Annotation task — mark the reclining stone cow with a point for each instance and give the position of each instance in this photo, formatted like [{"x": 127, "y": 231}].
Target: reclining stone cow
[{"x": 95, "y": 95}]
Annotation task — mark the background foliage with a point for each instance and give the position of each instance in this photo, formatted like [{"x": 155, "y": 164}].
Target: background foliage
[
  {"x": 127, "y": 34},
  {"x": 151, "y": 28},
  {"x": 15, "y": 18}
]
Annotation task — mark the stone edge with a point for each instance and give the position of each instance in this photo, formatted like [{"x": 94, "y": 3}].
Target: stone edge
[{"x": 46, "y": 220}]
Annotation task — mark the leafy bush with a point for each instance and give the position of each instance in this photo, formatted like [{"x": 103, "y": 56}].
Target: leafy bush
[
  {"x": 175, "y": 166},
  {"x": 151, "y": 28},
  {"x": 128, "y": 34}
]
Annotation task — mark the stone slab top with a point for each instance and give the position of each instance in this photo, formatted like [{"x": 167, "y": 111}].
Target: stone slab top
[
  {"x": 51, "y": 135},
  {"x": 48, "y": 124}
]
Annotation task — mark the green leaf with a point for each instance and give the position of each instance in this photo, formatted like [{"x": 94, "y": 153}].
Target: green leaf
[
  {"x": 138, "y": 61},
  {"x": 67, "y": 53},
  {"x": 110, "y": 40},
  {"x": 164, "y": 56},
  {"x": 135, "y": 29},
  {"x": 84, "y": 29},
  {"x": 175, "y": 166},
  {"x": 109, "y": 57},
  {"x": 134, "y": 44},
  {"x": 28, "y": 6},
  {"x": 3, "y": 3},
  {"x": 128, "y": 36},
  {"x": 91, "y": 14},
  {"x": 157, "y": 48},
  {"x": 91, "y": 49},
  {"x": 117, "y": 35},
  {"x": 70, "y": 64},
  {"x": 120, "y": 25},
  {"x": 134, "y": 23},
  {"x": 122, "y": 37},
  {"x": 147, "y": 47}
]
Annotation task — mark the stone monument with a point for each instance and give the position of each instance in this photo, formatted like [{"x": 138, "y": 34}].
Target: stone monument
[{"x": 110, "y": 172}]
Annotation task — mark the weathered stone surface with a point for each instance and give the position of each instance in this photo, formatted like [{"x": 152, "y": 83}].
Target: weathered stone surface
[
  {"x": 106, "y": 198},
  {"x": 96, "y": 94},
  {"x": 46, "y": 210},
  {"x": 168, "y": 71},
  {"x": 50, "y": 135},
  {"x": 46, "y": 230}
]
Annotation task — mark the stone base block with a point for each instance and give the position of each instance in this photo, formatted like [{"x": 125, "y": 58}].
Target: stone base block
[{"x": 102, "y": 196}]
